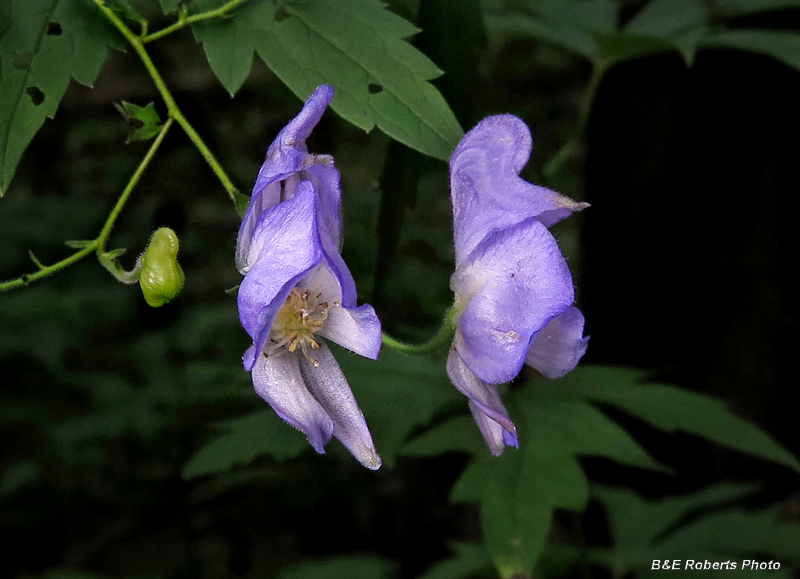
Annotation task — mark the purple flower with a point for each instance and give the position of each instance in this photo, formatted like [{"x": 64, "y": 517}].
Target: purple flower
[
  {"x": 297, "y": 289},
  {"x": 513, "y": 288}
]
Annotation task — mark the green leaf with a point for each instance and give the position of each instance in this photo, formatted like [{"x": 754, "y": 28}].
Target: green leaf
[
  {"x": 664, "y": 25},
  {"x": 784, "y": 46},
  {"x": 745, "y": 532},
  {"x": 355, "y": 566},
  {"x": 666, "y": 407},
  {"x": 144, "y": 122},
  {"x": 469, "y": 561},
  {"x": 667, "y": 18},
  {"x": 636, "y": 523},
  {"x": 575, "y": 40},
  {"x": 583, "y": 430},
  {"x": 168, "y": 6},
  {"x": 459, "y": 434},
  {"x": 247, "y": 438},
  {"x": 35, "y": 259},
  {"x": 643, "y": 531},
  {"x": 356, "y": 46},
  {"x": 398, "y": 393},
  {"x": 519, "y": 490},
  {"x": 126, "y": 11},
  {"x": 242, "y": 202},
  {"x": 742, "y": 7},
  {"x": 617, "y": 47},
  {"x": 115, "y": 253},
  {"x": 79, "y": 243},
  {"x": 47, "y": 43},
  {"x": 571, "y": 24}
]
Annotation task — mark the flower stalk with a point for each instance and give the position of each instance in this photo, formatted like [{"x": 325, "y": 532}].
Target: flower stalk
[{"x": 174, "y": 111}]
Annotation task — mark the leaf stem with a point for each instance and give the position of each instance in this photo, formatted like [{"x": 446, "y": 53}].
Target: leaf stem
[
  {"x": 172, "y": 107},
  {"x": 184, "y": 20},
  {"x": 98, "y": 244},
  {"x": 110, "y": 261},
  {"x": 44, "y": 271},
  {"x": 441, "y": 339},
  {"x": 573, "y": 144}
]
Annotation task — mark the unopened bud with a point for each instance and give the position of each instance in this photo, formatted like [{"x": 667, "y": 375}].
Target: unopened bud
[{"x": 161, "y": 277}]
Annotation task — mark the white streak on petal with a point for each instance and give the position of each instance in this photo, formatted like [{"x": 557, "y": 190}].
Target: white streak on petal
[
  {"x": 329, "y": 386},
  {"x": 279, "y": 382}
]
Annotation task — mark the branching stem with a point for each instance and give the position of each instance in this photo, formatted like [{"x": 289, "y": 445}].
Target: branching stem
[
  {"x": 98, "y": 244},
  {"x": 172, "y": 107},
  {"x": 573, "y": 145},
  {"x": 185, "y": 20}
]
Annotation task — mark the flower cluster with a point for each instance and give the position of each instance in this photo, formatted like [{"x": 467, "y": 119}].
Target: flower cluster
[{"x": 513, "y": 289}]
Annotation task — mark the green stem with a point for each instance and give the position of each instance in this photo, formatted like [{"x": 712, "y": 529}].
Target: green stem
[
  {"x": 441, "y": 339},
  {"x": 98, "y": 245},
  {"x": 49, "y": 269},
  {"x": 109, "y": 262},
  {"x": 184, "y": 20},
  {"x": 573, "y": 144},
  {"x": 172, "y": 107}
]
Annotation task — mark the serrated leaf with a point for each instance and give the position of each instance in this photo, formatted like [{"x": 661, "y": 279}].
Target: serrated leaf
[
  {"x": 247, "y": 438},
  {"x": 783, "y": 46},
  {"x": 574, "y": 40},
  {"x": 677, "y": 24},
  {"x": 356, "y": 46},
  {"x": 350, "y": 566},
  {"x": 666, "y": 529},
  {"x": 398, "y": 393},
  {"x": 519, "y": 490},
  {"x": 635, "y": 522},
  {"x": 581, "y": 429},
  {"x": 168, "y": 6},
  {"x": 124, "y": 9},
  {"x": 666, "y": 407},
  {"x": 47, "y": 43}
]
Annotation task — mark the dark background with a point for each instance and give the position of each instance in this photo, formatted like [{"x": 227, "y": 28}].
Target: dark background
[{"x": 684, "y": 265}]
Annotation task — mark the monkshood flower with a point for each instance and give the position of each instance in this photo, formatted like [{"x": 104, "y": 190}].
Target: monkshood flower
[
  {"x": 513, "y": 288},
  {"x": 297, "y": 290}
]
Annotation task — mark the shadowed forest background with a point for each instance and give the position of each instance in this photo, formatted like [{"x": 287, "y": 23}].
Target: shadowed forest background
[{"x": 684, "y": 267}]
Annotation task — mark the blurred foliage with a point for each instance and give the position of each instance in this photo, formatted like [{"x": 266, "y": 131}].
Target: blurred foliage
[{"x": 134, "y": 446}]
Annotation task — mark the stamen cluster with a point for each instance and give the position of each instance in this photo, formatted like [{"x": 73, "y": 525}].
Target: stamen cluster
[{"x": 300, "y": 317}]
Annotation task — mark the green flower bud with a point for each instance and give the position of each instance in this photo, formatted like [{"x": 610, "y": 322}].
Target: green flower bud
[{"x": 161, "y": 277}]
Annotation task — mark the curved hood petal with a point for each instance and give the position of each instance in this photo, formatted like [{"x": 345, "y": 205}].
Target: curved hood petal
[{"x": 487, "y": 191}]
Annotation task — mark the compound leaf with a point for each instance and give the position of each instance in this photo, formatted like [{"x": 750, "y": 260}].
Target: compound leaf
[
  {"x": 356, "y": 46},
  {"x": 45, "y": 43}
]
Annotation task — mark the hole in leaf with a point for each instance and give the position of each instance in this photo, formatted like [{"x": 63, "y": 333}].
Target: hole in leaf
[
  {"x": 281, "y": 14},
  {"x": 54, "y": 29},
  {"x": 23, "y": 60},
  {"x": 374, "y": 88},
  {"x": 37, "y": 96}
]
